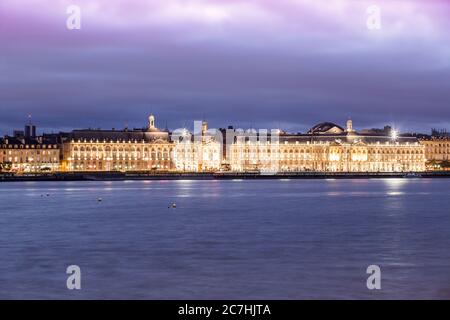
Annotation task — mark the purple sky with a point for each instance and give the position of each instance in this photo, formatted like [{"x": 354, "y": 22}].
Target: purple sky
[{"x": 277, "y": 63}]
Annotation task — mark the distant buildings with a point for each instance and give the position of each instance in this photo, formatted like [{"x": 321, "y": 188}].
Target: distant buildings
[
  {"x": 385, "y": 131},
  {"x": 326, "y": 147},
  {"x": 442, "y": 133}
]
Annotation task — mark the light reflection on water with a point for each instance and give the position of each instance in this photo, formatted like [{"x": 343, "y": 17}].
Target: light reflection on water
[{"x": 226, "y": 239}]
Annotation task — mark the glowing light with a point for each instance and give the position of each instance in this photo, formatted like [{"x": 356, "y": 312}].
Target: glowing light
[
  {"x": 394, "y": 134},
  {"x": 335, "y": 157}
]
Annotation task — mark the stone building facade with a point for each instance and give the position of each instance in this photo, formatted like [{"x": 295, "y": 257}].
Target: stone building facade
[
  {"x": 201, "y": 152},
  {"x": 111, "y": 150},
  {"x": 29, "y": 154},
  {"x": 147, "y": 149},
  {"x": 328, "y": 147},
  {"x": 437, "y": 152}
]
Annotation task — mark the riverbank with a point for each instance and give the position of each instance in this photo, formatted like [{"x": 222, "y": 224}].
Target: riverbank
[{"x": 112, "y": 176}]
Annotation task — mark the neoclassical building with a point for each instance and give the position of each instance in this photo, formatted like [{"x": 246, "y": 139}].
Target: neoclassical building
[
  {"x": 328, "y": 147},
  {"x": 437, "y": 150},
  {"x": 149, "y": 149},
  {"x": 29, "y": 154},
  {"x": 124, "y": 150},
  {"x": 200, "y": 152}
]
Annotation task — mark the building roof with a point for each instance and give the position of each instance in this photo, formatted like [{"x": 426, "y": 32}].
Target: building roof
[
  {"x": 434, "y": 138},
  {"x": 350, "y": 138},
  {"x": 7, "y": 140},
  {"x": 119, "y": 135},
  {"x": 341, "y": 138},
  {"x": 326, "y": 127}
]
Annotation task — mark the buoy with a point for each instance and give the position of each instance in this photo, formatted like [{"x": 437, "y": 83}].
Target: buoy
[{"x": 174, "y": 205}]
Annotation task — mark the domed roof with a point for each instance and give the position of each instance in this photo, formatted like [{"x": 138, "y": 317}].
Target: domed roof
[
  {"x": 153, "y": 129},
  {"x": 326, "y": 127}
]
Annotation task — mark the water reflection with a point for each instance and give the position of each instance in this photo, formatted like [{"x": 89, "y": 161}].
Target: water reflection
[{"x": 236, "y": 239}]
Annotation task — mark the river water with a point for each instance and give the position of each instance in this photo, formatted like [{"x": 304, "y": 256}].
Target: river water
[{"x": 268, "y": 239}]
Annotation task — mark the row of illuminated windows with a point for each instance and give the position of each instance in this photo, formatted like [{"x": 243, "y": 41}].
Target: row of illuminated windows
[
  {"x": 108, "y": 149},
  {"x": 29, "y": 152},
  {"x": 29, "y": 159},
  {"x": 296, "y": 151},
  {"x": 116, "y": 166},
  {"x": 436, "y": 150},
  {"x": 440, "y": 145},
  {"x": 309, "y": 158},
  {"x": 113, "y": 162},
  {"x": 153, "y": 155},
  {"x": 21, "y": 146}
]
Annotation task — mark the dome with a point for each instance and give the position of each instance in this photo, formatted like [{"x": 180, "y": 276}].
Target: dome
[
  {"x": 153, "y": 129},
  {"x": 326, "y": 127}
]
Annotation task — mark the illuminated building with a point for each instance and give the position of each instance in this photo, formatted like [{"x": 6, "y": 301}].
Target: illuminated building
[
  {"x": 140, "y": 150},
  {"x": 437, "y": 152},
  {"x": 201, "y": 152},
  {"x": 24, "y": 155},
  {"x": 124, "y": 150},
  {"x": 328, "y": 147}
]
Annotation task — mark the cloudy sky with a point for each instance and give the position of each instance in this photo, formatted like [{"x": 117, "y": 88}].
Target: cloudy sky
[{"x": 258, "y": 63}]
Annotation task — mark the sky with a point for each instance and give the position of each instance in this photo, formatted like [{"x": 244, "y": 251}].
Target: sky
[{"x": 256, "y": 63}]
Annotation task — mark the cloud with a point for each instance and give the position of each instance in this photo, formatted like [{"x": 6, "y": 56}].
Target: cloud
[{"x": 260, "y": 63}]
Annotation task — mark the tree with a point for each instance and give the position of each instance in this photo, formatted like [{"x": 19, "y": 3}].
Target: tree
[
  {"x": 433, "y": 163},
  {"x": 445, "y": 164},
  {"x": 5, "y": 167}
]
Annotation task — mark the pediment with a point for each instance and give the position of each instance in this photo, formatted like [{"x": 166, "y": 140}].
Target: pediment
[{"x": 359, "y": 142}]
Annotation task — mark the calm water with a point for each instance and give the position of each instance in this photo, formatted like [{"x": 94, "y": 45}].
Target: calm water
[{"x": 226, "y": 239}]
